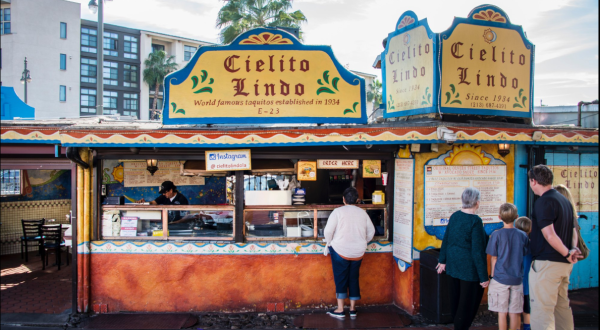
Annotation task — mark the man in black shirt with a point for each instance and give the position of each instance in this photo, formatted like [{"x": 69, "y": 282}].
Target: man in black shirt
[
  {"x": 554, "y": 249},
  {"x": 169, "y": 196}
]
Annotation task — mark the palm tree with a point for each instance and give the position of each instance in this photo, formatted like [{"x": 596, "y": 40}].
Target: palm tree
[
  {"x": 374, "y": 94},
  {"x": 239, "y": 16},
  {"x": 158, "y": 65}
]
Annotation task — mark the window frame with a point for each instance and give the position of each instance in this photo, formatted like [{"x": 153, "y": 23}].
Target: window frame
[
  {"x": 4, "y": 23},
  {"x": 128, "y": 42},
  {"x": 108, "y": 105},
  {"x": 63, "y": 36},
  {"x": 63, "y": 62},
  {"x": 20, "y": 184},
  {"x": 88, "y": 46},
  {"x": 88, "y": 65},
  {"x": 111, "y": 66},
  {"x": 62, "y": 97},
  {"x": 128, "y": 73},
  {"x": 113, "y": 40},
  {"x": 187, "y": 54},
  {"x": 88, "y": 96}
]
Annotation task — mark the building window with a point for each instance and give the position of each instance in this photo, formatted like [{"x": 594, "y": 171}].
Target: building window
[
  {"x": 110, "y": 102},
  {"x": 63, "y": 30},
  {"x": 110, "y": 44},
  {"x": 63, "y": 61},
  {"x": 11, "y": 182},
  {"x": 63, "y": 93},
  {"x": 5, "y": 21},
  {"x": 130, "y": 105},
  {"x": 157, "y": 47},
  {"x": 130, "y": 47},
  {"x": 88, "y": 101},
  {"x": 89, "y": 40},
  {"x": 110, "y": 73},
  {"x": 88, "y": 70},
  {"x": 188, "y": 52},
  {"x": 130, "y": 75}
]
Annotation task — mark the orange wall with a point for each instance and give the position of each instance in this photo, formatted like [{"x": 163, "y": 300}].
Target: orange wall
[
  {"x": 177, "y": 283},
  {"x": 406, "y": 288}
]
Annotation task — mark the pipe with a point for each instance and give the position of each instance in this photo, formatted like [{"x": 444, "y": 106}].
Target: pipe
[{"x": 73, "y": 155}]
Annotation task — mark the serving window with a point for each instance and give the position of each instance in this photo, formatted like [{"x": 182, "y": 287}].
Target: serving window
[{"x": 193, "y": 222}]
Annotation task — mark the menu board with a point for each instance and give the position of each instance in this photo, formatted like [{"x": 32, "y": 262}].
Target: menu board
[
  {"x": 136, "y": 175},
  {"x": 444, "y": 186},
  {"x": 403, "y": 209}
]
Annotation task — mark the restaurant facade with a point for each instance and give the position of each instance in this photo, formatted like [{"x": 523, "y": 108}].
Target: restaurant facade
[{"x": 262, "y": 137}]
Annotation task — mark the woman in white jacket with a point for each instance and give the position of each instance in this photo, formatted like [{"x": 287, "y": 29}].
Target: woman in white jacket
[{"x": 348, "y": 231}]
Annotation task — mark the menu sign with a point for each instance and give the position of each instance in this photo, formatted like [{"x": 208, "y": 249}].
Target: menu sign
[
  {"x": 444, "y": 186},
  {"x": 136, "y": 175},
  {"x": 403, "y": 209},
  {"x": 337, "y": 163},
  {"x": 264, "y": 76},
  {"x": 228, "y": 160},
  {"x": 307, "y": 171},
  {"x": 371, "y": 169}
]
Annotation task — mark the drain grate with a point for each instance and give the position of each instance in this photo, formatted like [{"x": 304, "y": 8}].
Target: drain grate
[{"x": 142, "y": 321}]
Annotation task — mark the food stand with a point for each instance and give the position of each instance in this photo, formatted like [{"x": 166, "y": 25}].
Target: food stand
[{"x": 251, "y": 242}]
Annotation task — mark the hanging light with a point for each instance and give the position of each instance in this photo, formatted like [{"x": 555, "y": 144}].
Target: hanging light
[
  {"x": 503, "y": 149},
  {"x": 152, "y": 166},
  {"x": 93, "y": 6}
]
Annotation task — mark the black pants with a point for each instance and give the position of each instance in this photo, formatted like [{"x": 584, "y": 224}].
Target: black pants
[{"x": 466, "y": 298}]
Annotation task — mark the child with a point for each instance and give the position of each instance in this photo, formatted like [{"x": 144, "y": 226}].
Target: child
[
  {"x": 507, "y": 247},
  {"x": 524, "y": 224}
]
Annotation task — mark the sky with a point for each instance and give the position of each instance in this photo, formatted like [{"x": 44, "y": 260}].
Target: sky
[{"x": 564, "y": 32}]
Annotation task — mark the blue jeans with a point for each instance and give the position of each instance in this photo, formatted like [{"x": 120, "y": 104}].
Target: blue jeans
[{"x": 345, "y": 275}]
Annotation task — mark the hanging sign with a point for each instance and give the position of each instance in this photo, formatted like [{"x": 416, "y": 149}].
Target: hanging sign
[
  {"x": 371, "y": 169},
  {"x": 486, "y": 66},
  {"x": 337, "y": 164},
  {"x": 264, "y": 76},
  {"x": 307, "y": 171},
  {"x": 228, "y": 160},
  {"x": 408, "y": 68}
]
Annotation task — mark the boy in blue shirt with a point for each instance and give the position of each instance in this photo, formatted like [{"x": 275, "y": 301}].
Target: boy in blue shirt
[{"x": 507, "y": 247}]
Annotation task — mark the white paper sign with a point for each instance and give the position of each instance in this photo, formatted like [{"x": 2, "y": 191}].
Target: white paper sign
[
  {"x": 337, "y": 163},
  {"x": 403, "y": 209},
  {"x": 444, "y": 186},
  {"x": 228, "y": 160},
  {"x": 129, "y": 226}
]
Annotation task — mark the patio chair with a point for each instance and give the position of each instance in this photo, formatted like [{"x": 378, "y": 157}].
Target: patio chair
[
  {"x": 52, "y": 239},
  {"x": 31, "y": 233}
]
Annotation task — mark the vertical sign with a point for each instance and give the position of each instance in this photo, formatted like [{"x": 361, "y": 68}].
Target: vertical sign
[
  {"x": 408, "y": 66},
  {"x": 403, "y": 209}
]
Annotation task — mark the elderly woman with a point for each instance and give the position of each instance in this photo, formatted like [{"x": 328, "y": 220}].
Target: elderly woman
[
  {"x": 348, "y": 231},
  {"x": 464, "y": 260}
]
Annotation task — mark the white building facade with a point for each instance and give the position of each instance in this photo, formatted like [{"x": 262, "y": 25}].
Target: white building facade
[{"x": 47, "y": 33}]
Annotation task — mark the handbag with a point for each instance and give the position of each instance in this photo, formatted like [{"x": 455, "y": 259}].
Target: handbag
[{"x": 585, "y": 251}]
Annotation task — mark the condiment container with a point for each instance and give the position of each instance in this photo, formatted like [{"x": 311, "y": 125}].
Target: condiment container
[{"x": 378, "y": 197}]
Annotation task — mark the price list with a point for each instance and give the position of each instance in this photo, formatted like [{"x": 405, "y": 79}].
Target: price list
[
  {"x": 403, "y": 209},
  {"x": 444, "y": 186}
]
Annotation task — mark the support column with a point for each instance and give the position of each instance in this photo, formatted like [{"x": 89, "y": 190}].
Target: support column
[{"x": 84, "y": 226}]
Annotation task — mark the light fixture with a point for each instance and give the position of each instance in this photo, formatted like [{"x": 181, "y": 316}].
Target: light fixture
[
  {"x": 537, "y": 135},
  {"x": 152, "y": 166},
  {"x": 503, "y": 149},
  {"x": 25, "y": 78},
  {"x": 93, "y": 6}
]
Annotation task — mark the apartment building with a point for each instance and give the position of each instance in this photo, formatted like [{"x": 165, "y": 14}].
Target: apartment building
[
  {"x": 47, "y": 34},
  {"x": 121, "y": 70}
]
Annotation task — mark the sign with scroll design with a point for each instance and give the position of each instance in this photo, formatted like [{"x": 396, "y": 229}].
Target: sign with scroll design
[{"x": 264, "y": 76}]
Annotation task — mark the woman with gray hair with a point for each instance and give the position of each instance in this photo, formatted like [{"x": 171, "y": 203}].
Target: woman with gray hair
[{"x": 464, "y": 260}]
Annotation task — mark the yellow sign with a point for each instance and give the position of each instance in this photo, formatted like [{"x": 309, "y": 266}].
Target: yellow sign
[
  {"x": 409, "y": 71},
  {"x": 261, "y": 82},
  {"x": 307, "y": 171},
  {"x": 371, "y": 169},
  {"x": 485, "y": 67},
  {"x": 582, "y": 181}
]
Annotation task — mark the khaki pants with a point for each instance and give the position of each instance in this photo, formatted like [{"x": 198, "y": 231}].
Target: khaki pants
[{"x": 548, "y": 292}]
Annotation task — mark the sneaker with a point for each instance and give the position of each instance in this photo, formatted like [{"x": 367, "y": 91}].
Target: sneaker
[
  {"x": 340, "y": 315},
  {"x": 353, "y": 314}
]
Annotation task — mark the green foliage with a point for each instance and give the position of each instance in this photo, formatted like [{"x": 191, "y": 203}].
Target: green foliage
[
  {"x": 158, "y": 66},
  {"x": 239, "y": 16},
  {"x": 374, "y": 94}
]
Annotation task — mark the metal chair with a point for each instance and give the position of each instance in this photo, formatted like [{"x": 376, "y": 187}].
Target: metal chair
[
  {"x": 31, "y": 233},
  {"x": 52, "y": 239}
]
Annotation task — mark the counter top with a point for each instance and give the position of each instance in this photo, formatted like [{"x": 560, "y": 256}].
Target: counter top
[{"x": 311, "y": 206}]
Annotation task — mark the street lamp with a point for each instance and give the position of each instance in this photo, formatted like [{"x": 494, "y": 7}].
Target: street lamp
[
  {"x": 94, "y": 6},
  {"x": 25, "y": 78}
]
